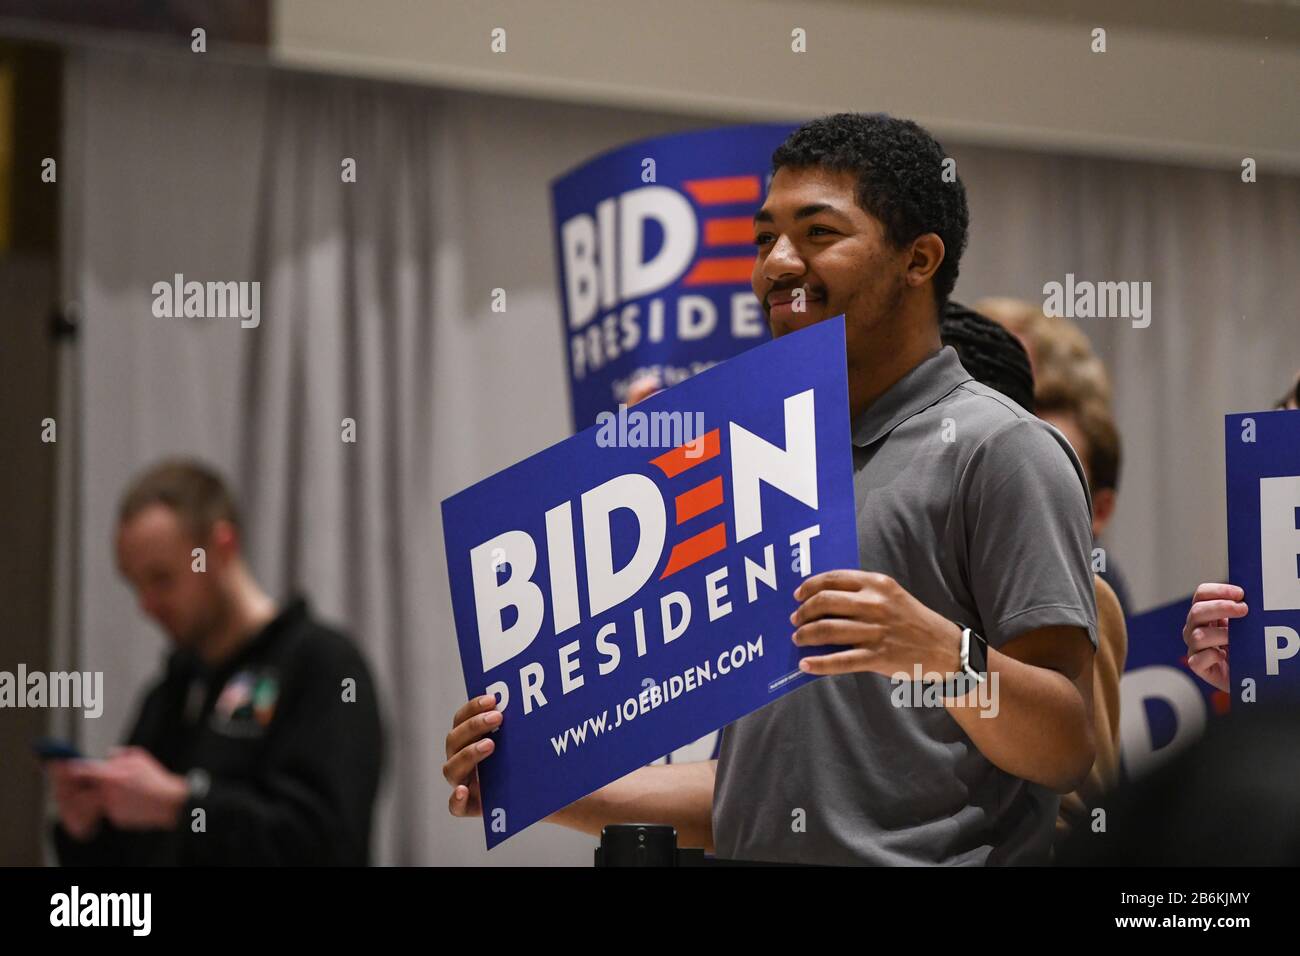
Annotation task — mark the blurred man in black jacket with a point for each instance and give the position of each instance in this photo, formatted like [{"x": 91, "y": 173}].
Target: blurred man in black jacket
[{"x": 262, "y": 742}]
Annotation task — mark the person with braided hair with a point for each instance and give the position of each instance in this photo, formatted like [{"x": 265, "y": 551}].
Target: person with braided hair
[{"x": 993, "y": 356}]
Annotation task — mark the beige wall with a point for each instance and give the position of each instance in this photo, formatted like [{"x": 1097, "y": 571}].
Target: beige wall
[{"x": 1170, "y": 85}]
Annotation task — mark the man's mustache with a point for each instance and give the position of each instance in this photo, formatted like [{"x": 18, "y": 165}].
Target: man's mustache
[{"x": 813, "y": 293}]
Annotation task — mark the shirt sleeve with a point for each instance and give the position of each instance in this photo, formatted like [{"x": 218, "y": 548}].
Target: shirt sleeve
[
  {"x": 1028, "y": 532},
  {"x": 311, "y": 803}
]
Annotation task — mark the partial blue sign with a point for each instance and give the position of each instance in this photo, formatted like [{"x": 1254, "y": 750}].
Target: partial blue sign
[
  {"x": 1263, "y": 462},
  {"x": 655, "y": 248},
  {"x": 629, "y": 590}
]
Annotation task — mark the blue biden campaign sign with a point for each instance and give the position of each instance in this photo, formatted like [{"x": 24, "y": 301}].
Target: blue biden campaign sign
[
  {"x": 655, "y": 246},
  {"x": 1263, "y": 461},
  {"x": 628, "y": 590}
]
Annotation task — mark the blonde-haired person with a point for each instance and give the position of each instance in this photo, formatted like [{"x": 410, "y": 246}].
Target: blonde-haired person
[
  {"x": 1089, "y": 426},
  {"x": 1060, "y": 354},
  {"x": 1017, "y": 316},
  {"x": 1072, "y": 391}
]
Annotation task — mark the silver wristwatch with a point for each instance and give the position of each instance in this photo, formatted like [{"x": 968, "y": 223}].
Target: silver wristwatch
[{"x": 974, "y": 655}]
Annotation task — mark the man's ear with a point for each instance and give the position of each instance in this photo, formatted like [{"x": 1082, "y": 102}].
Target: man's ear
[
  {"x": 224, "y": 540},
  {"x": 927, "y": 256},
  {"x": 1103, "y": 507}
]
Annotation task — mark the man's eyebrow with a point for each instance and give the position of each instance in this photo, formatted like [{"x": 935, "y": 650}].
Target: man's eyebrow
[{"x": 803, "y": 212}]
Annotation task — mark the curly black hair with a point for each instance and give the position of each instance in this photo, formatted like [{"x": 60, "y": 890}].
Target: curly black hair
[{"x": 900, "y": 180}]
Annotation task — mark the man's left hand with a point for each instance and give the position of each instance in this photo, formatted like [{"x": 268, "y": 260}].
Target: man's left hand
[{"x": 886, "y": 630}]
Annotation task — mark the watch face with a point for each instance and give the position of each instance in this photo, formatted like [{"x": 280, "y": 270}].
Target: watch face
[{"x": 979, "y": 659}]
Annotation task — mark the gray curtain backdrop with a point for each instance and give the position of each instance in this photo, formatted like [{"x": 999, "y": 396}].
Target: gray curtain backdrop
[{"x": 375, "y": 307}]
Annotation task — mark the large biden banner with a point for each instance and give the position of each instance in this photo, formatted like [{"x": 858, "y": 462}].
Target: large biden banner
[
  {"x": 630, "y": 589},
  {"x": 1263, "y": 463},
  {"x": 654, "y": 244}
]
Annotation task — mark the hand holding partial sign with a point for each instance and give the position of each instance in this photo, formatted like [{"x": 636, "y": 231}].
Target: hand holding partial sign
[
  {"x": 467, "y": 745},
  {"x": 888, "y": 631},
  {"x": 1206, "y": 631}
]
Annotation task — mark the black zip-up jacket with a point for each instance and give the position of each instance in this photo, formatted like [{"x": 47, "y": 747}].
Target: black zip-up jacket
[{"x": 290, "y": 749}]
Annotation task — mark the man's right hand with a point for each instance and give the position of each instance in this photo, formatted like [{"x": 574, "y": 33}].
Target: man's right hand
[
  {"x": 1206, "y": 631},
  {"x": 468, "y": 744},
  {"x": 79, "y": 802}
]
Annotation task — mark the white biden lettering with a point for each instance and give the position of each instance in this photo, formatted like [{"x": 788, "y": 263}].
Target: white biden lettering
[
  {"x": 593, "y": 281},
  {"x": 791, "y": 469},
  {"x": 1279, "y": 537}
]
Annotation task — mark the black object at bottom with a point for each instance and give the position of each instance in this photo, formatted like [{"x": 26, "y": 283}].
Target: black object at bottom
[
  {"x": 640, "y": 844},
  {"x": 655, "y": 844}
]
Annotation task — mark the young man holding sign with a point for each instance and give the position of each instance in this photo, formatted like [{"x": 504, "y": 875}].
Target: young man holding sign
[{"x": 973, "y": 537}]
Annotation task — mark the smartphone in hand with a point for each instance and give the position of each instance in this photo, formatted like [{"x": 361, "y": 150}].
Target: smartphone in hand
[{"x": 51, "y": 748}]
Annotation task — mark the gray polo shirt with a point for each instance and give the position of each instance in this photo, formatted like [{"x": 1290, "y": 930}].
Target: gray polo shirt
[{"x": 980, "y": 511}]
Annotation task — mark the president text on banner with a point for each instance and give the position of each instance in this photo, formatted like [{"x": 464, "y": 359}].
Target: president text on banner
[
  {"x": 655, "y": 245},
  {"x": 628, "y": 590},
  {"x": 1262, "y": 450}
]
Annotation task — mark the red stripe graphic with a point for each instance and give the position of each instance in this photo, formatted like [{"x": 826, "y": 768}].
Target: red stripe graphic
[
  {"x": 695, "y": 549},
  {"x": 722, "y": 190},
  {"x": 729, "y": 271},
  {"x": 699, "y": 499},
  {"x": 673, "y": 463},
  {"x": 737, "y": 231}
]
